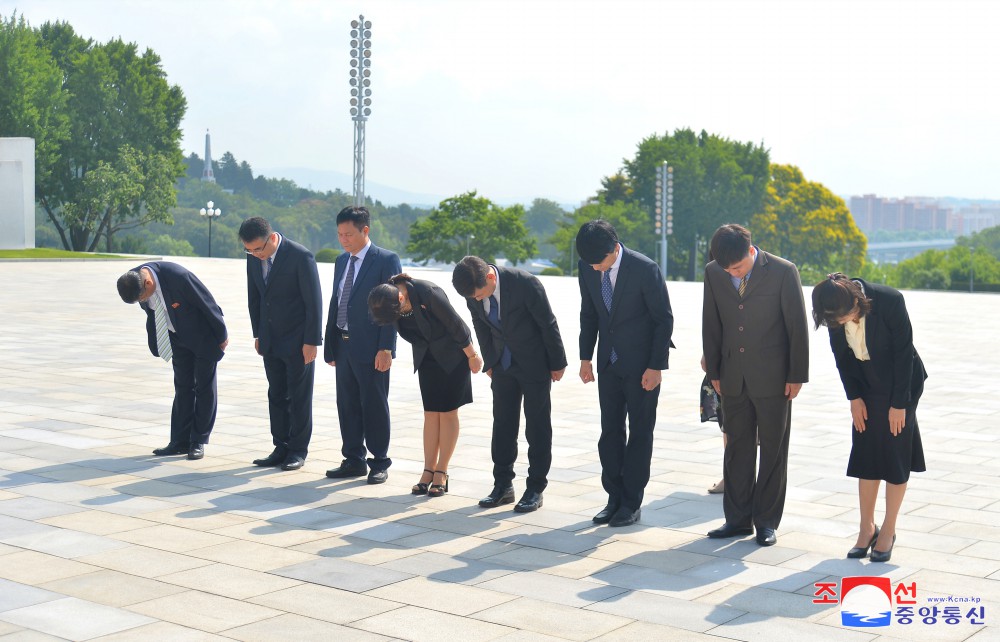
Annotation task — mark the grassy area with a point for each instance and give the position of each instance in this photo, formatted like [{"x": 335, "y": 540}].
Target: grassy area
[{"x": 52, "y": 253}]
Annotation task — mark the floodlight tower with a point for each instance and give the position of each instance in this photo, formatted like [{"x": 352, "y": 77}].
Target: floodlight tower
[
  {"x": 664, "y": 209},
  {"x": 361, "y": 71}
]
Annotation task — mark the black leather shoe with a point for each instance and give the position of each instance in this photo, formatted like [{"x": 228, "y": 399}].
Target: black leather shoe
[
  {"x": 378, "y": 476},
  {"x": 347, "y": 469},
  {"x": 767, "y": 537},
  {"x": 530, "y": 502},
  {"x": 293, "y": 462},
  {"x": 196, "y": 451},
  {"x": 625, "y": 517},
  {"x": 728, "y": 530},
  {"x": 606, "y": 514},
  {"x": 883, "y": 556},
  {"x": 276, "y": 458},
  {"x": 861, "y": 552},
  {"x": 498, "y": 497},
  {"x": 171, "y": 449}
]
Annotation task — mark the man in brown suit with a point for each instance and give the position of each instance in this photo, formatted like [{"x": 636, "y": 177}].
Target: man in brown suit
[{"x": 755, "y": 336}]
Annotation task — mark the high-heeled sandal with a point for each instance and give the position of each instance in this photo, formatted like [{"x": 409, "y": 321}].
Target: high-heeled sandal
[
  {"x": 420, "y": 488},
  {"x": 861, "y": 552},
  {"x": 436, "y": 490}
]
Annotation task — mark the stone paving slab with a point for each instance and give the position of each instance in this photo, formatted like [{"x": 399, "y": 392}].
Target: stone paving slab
[{"x": 99, "y": 539}]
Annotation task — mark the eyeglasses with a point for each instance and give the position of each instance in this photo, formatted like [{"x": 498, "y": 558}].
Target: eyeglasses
[{"x": 260, "y": 249}]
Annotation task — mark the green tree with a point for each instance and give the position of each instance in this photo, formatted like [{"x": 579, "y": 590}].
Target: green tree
[
  {"x": 542, "y": 219},
  {"x": 32, "y": 102},
  {"x": 115, "y": 97},
  {"x": 631, "y": 221},
  {"x": 809, "y": 225},
  {"x": 949, "y": 268},
  {"x": 134, "y": 190},
  {"x": 475, "y": 223},
  {"x": 988, "y": 239},
  {"x": 716, "y": 181}
]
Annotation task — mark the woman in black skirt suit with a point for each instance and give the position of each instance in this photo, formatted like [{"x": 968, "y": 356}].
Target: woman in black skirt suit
[
  {"x": 443, "y": 357},
  {"x": 883, "y": 377}
]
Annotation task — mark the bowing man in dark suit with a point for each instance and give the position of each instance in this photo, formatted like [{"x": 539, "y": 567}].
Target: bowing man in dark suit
[
  {"x": 624, "y": 301},
  {"x": 361, "y": 351},
  {"x": 756, "y": 341},
  {"x": 286, "y": 313},
  {"x": 184, "y": 325},
  {"x": 522, "y": 354}
]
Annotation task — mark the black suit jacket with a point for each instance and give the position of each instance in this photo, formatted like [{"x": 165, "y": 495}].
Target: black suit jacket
[
  {"x": 889, "y": 339},
  {"x": 441, "y": 331},
  {"x": 196, "y": 317},
  {"x": 287, "y": 312},
  {"x": 640, "y": 322},
  {"x": 366, "y": 337},
  {"x": 528, "y": 327}
]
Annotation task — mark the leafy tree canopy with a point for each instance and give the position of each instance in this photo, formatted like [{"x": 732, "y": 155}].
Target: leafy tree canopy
[
  {"x": 809, "y": 225},
  {"x": 475, "y": 224}
]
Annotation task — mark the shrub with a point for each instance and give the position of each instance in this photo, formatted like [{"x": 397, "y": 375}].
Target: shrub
[{"x": 327, "y": 255}]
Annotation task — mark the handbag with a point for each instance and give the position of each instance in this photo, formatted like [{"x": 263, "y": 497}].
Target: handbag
[{"x": 710, "y": 408}]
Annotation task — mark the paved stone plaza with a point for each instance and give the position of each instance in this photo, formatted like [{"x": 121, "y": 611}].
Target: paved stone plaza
[{"x": 100, "y": 540}]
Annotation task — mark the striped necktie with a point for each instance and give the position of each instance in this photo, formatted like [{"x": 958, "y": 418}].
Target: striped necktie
[
  {"x": 268, "y": 265},
  {"x": 743, "y": 286},
  {"x": 162, "y": 331},
  {"x": 345, "y": 295},
  {"x": 607, "y": 294}
]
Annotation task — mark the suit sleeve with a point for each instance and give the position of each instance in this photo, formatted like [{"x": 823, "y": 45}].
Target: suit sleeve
[
  {"x": 441, "y": 309},
  {"x": 332, "y": 334},
  {"x": 312, "y": 295},
  {"x": 483, "y": 333},
  {"x": 711, "y": 332},
  {"x": 654, "y": 291},
  {"x": 205, "y": 302},
  {"x": 253, "y": 299},
  {"x": 842, "y": 355},
  {"x": 541, "y": 311},
  {"x": 901, "y": 333},
  {"x": 387, "y": 333},
  {"x": 793, "y": 309},
  {"x": 588, "y": 317}
]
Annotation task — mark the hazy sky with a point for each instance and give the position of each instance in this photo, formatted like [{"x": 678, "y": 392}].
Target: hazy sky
[{"x": 542, "y": 98}]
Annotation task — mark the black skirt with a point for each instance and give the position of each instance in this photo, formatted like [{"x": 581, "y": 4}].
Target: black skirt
[
  {"x": 443, "y": 391},
  {"x": 876, "y": 453}
]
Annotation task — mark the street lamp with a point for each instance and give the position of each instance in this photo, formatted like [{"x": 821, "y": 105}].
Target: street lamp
[
  {"x": 664, "y": 209},
  {"x": 212, "y": 213},
  {"x": 361, "y": 97}
]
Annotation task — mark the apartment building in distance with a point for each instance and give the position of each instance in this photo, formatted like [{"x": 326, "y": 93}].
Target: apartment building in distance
[{"x": 873, "y": 213}]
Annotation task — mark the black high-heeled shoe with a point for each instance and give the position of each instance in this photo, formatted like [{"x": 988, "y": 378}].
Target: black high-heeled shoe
[
  {"x": 883, "y": 556},
  {"x": 420, "y": 488},
  {"x": 861, "y": 552},
  {"x": 436, "y": 490}
]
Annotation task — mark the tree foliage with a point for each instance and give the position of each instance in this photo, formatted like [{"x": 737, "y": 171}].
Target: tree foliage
[
  {"x": 91, "y": 107},
  {"x": 716, "y": 181},
  {"x": 542, "y": 219},
  {"x": 809, "y": 225},
  {"x": 473, "y": 223},
  {"x": 631, "y": 222}
]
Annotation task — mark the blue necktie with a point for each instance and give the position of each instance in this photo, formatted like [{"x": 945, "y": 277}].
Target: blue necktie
[
  {"x": 606, "y": 293},
  {"x": 345, "y": 295},
  {"x": 268, "y": 264},
  {"x": 494, "y": 317}
]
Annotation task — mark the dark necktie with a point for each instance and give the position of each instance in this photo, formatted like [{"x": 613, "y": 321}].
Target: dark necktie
[
  {"x": 606, "y": 293},
  {"x": 268, "y": 264},
  {"x": 345, "y": 295},
  {"x": 494, "y": 318}
]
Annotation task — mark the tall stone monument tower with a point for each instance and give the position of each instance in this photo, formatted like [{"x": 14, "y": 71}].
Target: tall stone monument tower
[
  {"x": 17, "y": 193},
  {"x": 207, "y": 174}
]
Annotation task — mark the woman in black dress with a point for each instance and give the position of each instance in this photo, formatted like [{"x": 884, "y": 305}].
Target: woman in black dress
[
  {"x": 883, "y": 377},
  {"x": 443, "y": 357}
]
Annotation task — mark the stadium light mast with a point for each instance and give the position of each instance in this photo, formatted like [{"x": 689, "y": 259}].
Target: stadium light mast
[
  {"x": 361, "y": 71},
  {"x": 664, "y": 208}
]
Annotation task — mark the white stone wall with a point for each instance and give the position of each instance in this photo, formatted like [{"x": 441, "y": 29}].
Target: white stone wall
[{"x": 17, "y": 193}]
